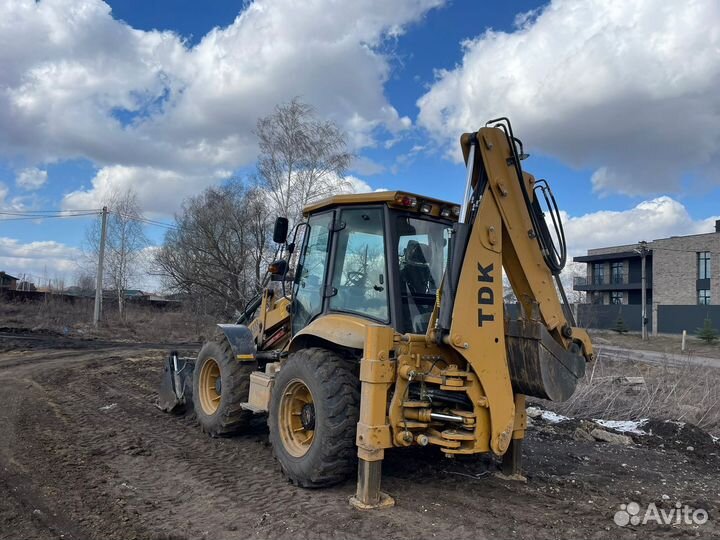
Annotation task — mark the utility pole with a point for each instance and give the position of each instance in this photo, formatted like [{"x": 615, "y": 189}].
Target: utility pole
[
  {"x": 101, "y": 257},
  {"x": 643, "y": 251}
]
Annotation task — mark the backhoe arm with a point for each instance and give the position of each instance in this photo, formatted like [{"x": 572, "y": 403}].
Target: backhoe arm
[{"x": 541, "y": 354}]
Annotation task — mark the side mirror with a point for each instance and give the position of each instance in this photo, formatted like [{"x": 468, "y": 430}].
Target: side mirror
[
  {"x": 277, "y": 270},
  {"x": 280, "y": 231}
]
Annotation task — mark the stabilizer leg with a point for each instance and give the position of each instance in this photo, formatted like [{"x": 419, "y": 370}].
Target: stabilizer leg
[
  {"x": 512, "y": 460},
  {"x": 368, "y": 495},
  {"x": 377, "y": 372}
]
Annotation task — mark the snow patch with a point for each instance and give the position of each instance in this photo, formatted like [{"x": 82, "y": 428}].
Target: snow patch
[
  {"x": 553, "y": 418},
  {"x": 623, "y": 426},
  {"x": 548, "y": 416}
]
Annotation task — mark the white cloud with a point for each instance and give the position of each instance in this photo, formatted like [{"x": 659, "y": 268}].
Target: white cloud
[
  {"x": 77, "y": 83},
  {"x": 366, "y": 166},
  {"x": 649, "y": 220},
  {"x": 358, "y": 185},
  {"x": 158, "y": 190},
  {"x": 38, "y": 260},
  {"x": 31, "y": 178},
  {"x": 3, "y": 194},
  {"x": 627, "y": 88}
]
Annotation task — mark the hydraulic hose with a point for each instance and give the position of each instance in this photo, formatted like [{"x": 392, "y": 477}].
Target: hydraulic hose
[{"x": 554, "y": 254}]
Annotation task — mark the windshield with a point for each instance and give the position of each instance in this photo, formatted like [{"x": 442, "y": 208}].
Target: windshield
[{"x": 422, "y": 257}]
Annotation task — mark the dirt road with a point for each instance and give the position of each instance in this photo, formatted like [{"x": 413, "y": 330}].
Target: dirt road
[
  {"x": 85, "y": 454},
  {"x": 654, "y": 357}
]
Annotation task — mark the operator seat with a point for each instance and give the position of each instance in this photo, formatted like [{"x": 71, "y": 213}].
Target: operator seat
[
  {"x": 415, "y": 269},
  {"x": 417, "y": 285}
]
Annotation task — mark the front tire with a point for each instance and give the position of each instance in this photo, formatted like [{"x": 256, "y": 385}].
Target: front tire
[
  {"x": 314, "y": 411},
  {"x": 220, "y": 385}
]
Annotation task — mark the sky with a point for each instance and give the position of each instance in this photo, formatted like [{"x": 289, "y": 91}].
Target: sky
[{"x": 616, "y": 102}]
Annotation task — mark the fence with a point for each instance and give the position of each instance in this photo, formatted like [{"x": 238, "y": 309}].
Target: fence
[
  {"x": 606, "y": 316},
  {"x": 109, "y": 300},
  {"x": 670, "y": 319},
  {"x": 675, "y": 319}
]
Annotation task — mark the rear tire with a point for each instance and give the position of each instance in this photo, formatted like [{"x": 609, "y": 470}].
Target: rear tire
[
  {"x": 331, "y": 383},
  {"x": 220, "y": 385}
]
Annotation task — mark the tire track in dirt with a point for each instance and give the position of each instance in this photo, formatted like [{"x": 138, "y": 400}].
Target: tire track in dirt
[
  {"x": 209, "y": 462},
  {"x": 153, "y": 447},
  {"x": 128, "y": 471}
]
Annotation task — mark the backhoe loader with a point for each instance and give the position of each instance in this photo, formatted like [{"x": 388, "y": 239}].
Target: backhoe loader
[{"x": 391, "y": 329}]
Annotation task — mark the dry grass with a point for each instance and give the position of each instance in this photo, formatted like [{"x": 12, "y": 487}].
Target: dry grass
[
  {"x": 141, "y": 322},
  {"x": 689, "y": 393}
]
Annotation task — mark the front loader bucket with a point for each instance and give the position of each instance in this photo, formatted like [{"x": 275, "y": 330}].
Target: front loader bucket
[{"x": 175, "y": 395}]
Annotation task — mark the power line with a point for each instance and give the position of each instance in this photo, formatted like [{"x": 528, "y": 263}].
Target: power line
[
  {"x": 25, "y": 212},
  {"x": 22, "y": 215},
  {"x": 47, "y": 216},
  {"x": 145, "y": 220}
]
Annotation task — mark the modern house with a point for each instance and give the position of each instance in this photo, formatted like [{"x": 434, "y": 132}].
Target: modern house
[
  {"x": 680, "y": 270},
  {"x": 614, "y": 275}
]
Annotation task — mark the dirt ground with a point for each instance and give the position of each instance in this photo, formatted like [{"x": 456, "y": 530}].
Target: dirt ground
[{"x": 85, "y": 454}]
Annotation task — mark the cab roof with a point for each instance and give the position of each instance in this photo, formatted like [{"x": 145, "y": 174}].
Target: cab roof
[{"x": 392, "y": 198}]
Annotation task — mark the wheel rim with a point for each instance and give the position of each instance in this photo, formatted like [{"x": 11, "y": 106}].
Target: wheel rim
[
  {"x": 210, "y": 386},
  {"x": 297, "y": 418}
]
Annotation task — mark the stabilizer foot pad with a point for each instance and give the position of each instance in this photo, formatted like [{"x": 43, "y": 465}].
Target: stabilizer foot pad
[
  {"x": 386, "y": 501},
  {"x": 511, "y": 477}
]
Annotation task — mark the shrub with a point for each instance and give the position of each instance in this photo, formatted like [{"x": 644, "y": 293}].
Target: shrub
[
  {"x": 707, "y": 333},
  {"x": 620, "y": 327}
]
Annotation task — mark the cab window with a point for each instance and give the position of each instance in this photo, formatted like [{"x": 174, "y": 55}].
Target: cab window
[
  {"x": 359, "y": 276},
  {"x": 310, "y": 277},
  {"x": 422, "y": 257}
]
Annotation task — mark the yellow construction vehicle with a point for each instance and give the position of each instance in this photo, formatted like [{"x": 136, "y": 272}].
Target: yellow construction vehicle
[{"x": 391, "y": 329}]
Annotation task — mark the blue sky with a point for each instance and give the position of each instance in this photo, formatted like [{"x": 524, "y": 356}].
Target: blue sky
[{"x": 162, "y": 96}]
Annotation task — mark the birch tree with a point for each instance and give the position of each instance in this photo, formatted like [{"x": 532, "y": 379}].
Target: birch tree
[{"x": 302, "y": 158}]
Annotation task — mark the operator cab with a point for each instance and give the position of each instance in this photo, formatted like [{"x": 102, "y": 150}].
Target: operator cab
[{"x": 377, "y": 256}]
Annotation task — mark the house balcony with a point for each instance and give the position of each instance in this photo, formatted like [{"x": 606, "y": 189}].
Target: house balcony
[{"x": 608, "y": 283}]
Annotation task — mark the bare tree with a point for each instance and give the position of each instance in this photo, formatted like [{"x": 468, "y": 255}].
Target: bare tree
[
  {"x": 85, "y": 281},
  {"x": 219, "y": 248},
  {"x": 301, "y": 157},
  {"x": 125, "y": 241}
]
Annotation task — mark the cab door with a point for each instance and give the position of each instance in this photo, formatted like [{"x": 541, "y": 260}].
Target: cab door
[
  {"x": 359, "y": 282},
  {"x": 312, "y": 270}
]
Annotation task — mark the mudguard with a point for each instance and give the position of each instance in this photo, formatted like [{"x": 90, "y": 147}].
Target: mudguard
[{"x": 241, "y": 341}]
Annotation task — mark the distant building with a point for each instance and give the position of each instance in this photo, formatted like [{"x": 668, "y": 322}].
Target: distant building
[
  {"x": 7, "y": 281},
  {"x": 26, "y": 286},
  {"x": 680, "y": 270}
]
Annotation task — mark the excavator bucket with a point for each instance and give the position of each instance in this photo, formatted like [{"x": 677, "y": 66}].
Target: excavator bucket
[{"x": 175, "y": 394}]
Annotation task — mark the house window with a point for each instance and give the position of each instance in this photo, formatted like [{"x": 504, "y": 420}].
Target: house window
[
  {"x": 616, "y": 297},
  {"x": 598, "y": 273},
  {"x": 616, "y": 272},
  {"x": 704, "y": 297},
  {"x": 703, "y": 258}
]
